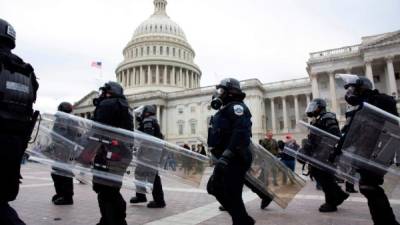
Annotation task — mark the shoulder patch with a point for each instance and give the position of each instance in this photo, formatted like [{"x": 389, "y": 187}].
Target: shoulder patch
[{"x": 238, "y": 109}]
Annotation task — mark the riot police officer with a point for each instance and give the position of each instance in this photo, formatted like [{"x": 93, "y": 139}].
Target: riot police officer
[
  {"x": 112, "y": 109},
  {"x": 148, "y": 124},
  {"x": 359, "y": 90},
  {"x": 63, "y": 185},
  {"x": 334, "y": 195},
  {"x": 18, "y": 87},
  {"x": 229, "y": 139}
]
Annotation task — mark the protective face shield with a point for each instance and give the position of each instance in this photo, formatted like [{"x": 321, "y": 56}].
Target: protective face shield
[
  {"x": 138, "y": 112},
  {"x": 315, "y": 107},
  {"x": 355, "y": 86},
  {"x": 218, "y": 98}
]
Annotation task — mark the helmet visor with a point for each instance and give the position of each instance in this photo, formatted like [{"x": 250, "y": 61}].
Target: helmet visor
[
  {"x": 138, "y": 112},
  {"x": 348, "y": 79},
  {"x": 311, "y": 108}
]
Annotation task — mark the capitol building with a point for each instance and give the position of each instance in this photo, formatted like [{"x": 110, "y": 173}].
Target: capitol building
[{"x": 159, "y": 68}]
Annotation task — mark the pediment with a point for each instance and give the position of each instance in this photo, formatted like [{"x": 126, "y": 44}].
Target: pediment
[
  {"x": 382, "y": 39},
  {"x": 87, "y": 100}
]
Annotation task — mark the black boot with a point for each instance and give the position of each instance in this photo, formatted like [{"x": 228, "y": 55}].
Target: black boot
[
  {"x": 135, "y": 200},
  {"x": 327, "y": 208},
  {"x": 342, "y": 198},
  {"x": 350, "y": 188},
  {"x": 154, "y": 204},
  {"x": 63, "y": 201}
]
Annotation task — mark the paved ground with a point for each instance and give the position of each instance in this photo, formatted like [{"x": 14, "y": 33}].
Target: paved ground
[{"x": 185, "y": 206}]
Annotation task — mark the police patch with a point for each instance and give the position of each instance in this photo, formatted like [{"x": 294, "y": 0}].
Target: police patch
[{"x": 238, "y": 109}]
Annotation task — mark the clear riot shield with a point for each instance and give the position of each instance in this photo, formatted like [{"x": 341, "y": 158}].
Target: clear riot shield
[
  {"x": 372, "y": 142},
  {"x": 270, "y": 176},
  {"x": 318, "y": 149},
  {"x": 113, "y": 156}
]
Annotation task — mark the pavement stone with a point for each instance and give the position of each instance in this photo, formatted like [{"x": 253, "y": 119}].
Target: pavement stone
[{"x": 185, "y": 206}]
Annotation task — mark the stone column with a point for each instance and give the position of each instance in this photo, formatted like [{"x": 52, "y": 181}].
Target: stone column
[
  {"x": 285, "y": 117},
  {"x": 181, "y": 77},
  {"x": 314, "y": 85},
  {"x": 164, "y": 120},
  {"x": 131, "y": 77},
  {"x": 173, "y": 76},
  {"x": 149, "y": 75},
  {"x": 273, "y": 119},
  {"x": 391, "y": 77},
  {"x": 141, "y": 81},
  {"x": 157, "y": 74},
  {"x": 158, "y": 114},
  {"x": 166, "y": 75},
  {"x": 332, "y": 88},
  {"x": 296, "y": 109},
  {"x": 369, "y": 72},
  {"x": 308, "y": 99}
]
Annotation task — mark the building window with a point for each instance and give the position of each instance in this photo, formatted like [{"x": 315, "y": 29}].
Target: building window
[
  {"x": 173, "y": 52},
  {"x": 136, "y": 52},
  {"x": 180, "y": 129},
  {"x": 141, "y": 51},
  {"x": 154, "y": 50},
  {"x": 193, "y": 127},
  {"x": 167, "y": 50},
  {"x": 193, "y": 109},
  {"x": 293, "y": 123},
  {"x": 180, "y": 110},
  {"x": 161, "y": 50},
  {"x": 377, "y": 78},
  {"x": 281, "y": 126},
  {"x": 148, "y": 50}
]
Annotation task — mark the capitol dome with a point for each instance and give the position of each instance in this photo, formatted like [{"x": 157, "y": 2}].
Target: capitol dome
[{"x": 158, "y": 57}]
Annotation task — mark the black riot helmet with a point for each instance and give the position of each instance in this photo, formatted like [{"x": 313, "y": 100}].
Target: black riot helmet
[
  {"x": 226, "y": 91},
  {"x": 144, "y": 112},
  {"x": 7, "y": 34},
  {"x": 356, "y": 88},
  {"x": 65, "y": 107},
  {"x": 112, "y": 88},
  {"x": 316, "y": 107}
]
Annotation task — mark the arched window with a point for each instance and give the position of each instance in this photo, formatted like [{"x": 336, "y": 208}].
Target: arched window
[{"x": 181, "y": 127}]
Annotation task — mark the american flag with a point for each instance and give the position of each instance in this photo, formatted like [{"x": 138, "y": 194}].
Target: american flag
[{"x": 96, "y": 65}]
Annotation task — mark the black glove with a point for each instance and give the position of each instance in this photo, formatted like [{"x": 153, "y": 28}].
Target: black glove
[
  {"x": 336, "y": 152},
  {"x": 222, "y": 164}
]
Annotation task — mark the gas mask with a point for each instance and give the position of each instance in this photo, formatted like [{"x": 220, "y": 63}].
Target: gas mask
[
  {"x": 352, "y": 96},
  {"x": 100, "y": 97},
  {"x": 217, "y": 98}
]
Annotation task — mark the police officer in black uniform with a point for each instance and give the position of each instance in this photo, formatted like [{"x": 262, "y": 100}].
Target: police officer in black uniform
[
  {"x": 360, "y": 90},
  {"x": 63, "y": 185},
  {"x": 229, "y": 139},
  {"x": 334, "y": 195},
  {"x": 18, "y": 87},
  {"x": 112, "y": 109},
  {"x": 148, "y": 124}
]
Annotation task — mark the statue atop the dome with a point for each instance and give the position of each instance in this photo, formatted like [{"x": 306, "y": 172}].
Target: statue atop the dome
[{"x": 160, "y": 7}]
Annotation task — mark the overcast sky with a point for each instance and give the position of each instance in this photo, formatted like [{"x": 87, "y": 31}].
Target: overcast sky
[{"x": 265, "y": 39}]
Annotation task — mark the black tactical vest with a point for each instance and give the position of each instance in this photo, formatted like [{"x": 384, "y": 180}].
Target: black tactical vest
[{"x": 16, "y": 95}]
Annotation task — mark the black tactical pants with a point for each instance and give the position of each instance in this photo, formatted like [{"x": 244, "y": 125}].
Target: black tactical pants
[
  {"x": 227, "y": 189},
  {"x": 112, "y": 205},
  {"x": 12, "y": 149},
  {"x": 158, "y": 193},
  {"x": 63, "y": 185},
  {"x": 378, "y": 203},
  {"x": 333, "y": 192},
  {"x": 8, "y": 216}
]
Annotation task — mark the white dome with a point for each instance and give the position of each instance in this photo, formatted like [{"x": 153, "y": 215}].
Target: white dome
[
  {"x": 159, "y": 24},
  {"x": 158, "y": 57}
]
